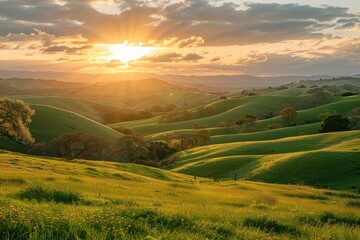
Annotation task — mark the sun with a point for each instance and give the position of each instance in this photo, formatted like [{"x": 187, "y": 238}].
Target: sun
[{"x": 126, "y": 52}]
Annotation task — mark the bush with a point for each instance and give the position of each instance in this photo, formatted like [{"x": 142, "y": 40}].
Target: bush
[
  {"x": 42, "y": 194},
  {"x": 123, "y": 130},
  {"x": 348, "y": 94},
  {"x": 273, "y": 126},
  {"x": 267, "y": 225},
  {"x": 335, "y": 123}
]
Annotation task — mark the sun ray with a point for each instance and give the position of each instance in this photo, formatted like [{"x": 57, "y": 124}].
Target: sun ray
[{"x": 126, "y": 52}]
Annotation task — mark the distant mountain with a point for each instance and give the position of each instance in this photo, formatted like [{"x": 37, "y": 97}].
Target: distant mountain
[{"x": 209, "y": 83}]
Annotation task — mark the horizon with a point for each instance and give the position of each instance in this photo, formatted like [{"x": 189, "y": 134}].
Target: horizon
[{"x": 195, "y": 38}]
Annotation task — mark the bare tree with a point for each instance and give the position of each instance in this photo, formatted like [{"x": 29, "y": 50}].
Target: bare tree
[
  {"x": 15, "y": 116},
  {"x": 131, "y": 147},
  {"x": 77, "y": 145}
]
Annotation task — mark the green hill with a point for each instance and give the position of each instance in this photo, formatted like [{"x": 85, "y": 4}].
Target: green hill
[
  {"x": 238, "y": 107},
  {"x": 331, "y": 159},
  {"x": 50, "y": 122},
  {"x": 90, "y": 109}
]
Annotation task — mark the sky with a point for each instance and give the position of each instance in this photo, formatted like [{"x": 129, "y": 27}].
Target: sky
[{"x": 190, "y": 37}]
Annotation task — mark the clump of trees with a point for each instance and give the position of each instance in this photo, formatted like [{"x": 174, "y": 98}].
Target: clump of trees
[
  {"x": 124, "y": 130},
  {"x": 73, "y": 145},
  {"x": 273, "y": 126},
  {"x": 129, "y": 148},
  {"x": 354, "y": 118},
  {"x": 15, "y": 116},
  {"x": 289, "y": 115},
  {"x": 185, "y": 141},
  {"x": 176, "y": 116},
  {"x": 166, "y": 107},
  {"x": 247, "y": 123},
  {"x": 335, "y": 123},
  {"x": 319, "y": 98},
  {"x": 348, "y": 94}
]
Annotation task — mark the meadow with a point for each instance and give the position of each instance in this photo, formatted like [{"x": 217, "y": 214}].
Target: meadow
[
  {"x": 45, "y": 198},
  {"x": 286, "y": 183}
]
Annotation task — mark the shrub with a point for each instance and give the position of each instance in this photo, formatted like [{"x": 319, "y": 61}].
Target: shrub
[
  {"x": 273, "y": 126},
  {"x": 335, "y": 123},
  {"x": 355, "y": 204},
  {"x": 267, "y": 225},
  {"x": 123, "y": 130},
  {"x": 348, "y": 94},
  {"x": 42, "y": 194}
]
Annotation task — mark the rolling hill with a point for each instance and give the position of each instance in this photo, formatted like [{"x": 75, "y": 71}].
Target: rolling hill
[
  {"x": 236, "y": 108},
  {"x": 331, "y": 159},
  {"x": 90, "y": 109}
]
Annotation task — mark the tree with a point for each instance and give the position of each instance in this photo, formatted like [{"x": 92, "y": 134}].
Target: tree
[
  {"x": 202, "y": 135},
  {"x": 335, "y": 123},
  {"x": 289, "y": 114},
  {"x": 221, "y": 124},
  {"x": 230, "y": 122},
  {"x": 354, "y": 117},
  {"x": 160, "y": 150},
  {"x": 131, "y": 147},
  {"x": 169, "y": 162},
  {"x": 123, "y": 130},
  {"x": 73, "y": 145},
  {"x": 319, "y": 98},
  {"x": 168, "y": 107},
  {"x": 273, "y": 126},
  {"x": 181, "y": 142},
  {"x": 15, "y": 116},
  {"x": 247, "y": 122}
]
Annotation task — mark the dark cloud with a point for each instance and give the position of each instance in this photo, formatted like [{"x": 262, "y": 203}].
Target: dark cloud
[
  {"x": 192, "y": 57},
  {"x": 172, "y": 57},
  {"x": 66, "y": 49},
  {"x": 224, "y": 24}
]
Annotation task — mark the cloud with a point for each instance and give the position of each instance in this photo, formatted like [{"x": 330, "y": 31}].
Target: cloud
[
  {"x": 66, "y": 49},
  {"x": 192, "y": 57},
  {"x": 172, "y": 57},
  {"x": 191, "y": 21}
]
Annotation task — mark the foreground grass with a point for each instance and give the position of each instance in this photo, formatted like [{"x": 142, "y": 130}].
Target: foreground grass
[{"x": 54, "y": 199}]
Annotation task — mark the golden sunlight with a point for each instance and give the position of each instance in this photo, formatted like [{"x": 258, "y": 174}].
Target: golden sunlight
[{"x": 126, "y": 52}]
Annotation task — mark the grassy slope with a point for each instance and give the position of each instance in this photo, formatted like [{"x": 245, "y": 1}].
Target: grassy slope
[
  {"x": 225, "y": 109},
  {"x": 50, "y": 122},
  {"x": 339, "y": 106},
  {"x": 89, "y": 109},
  {"x": 122, "y": 203},
  {"x": 331, "y": 159},
  {"x": 179, "y": 97}
]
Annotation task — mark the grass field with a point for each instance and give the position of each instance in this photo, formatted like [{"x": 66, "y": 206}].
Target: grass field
[
  {"x": 331, "y": 159},
  {"x": 55, "y": 199}
]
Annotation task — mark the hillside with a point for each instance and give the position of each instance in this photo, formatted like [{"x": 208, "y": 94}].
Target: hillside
[
  {"x": 90, "y": 109},
  {"x": 50, "y": 122},
  {"x": 236, "y": 108},
  {"x": 331, "y": 159},
  {"x": 64, "y": 200}
]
